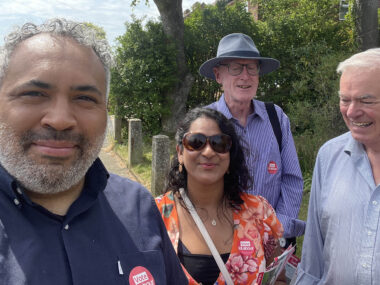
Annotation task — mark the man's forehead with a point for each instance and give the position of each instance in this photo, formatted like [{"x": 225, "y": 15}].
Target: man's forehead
[
  {"x": 44, "y": 43},
  {"x": 45, "y": 47},
  {"x": 363, "y": 96},
  {"x": 353, "y": 71},
  {"x": 360, "y": 82},
  {"x": 40, "y": 56}
]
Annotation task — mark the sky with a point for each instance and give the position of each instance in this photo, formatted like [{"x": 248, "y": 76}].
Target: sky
[{"x": 108, "y": 14}]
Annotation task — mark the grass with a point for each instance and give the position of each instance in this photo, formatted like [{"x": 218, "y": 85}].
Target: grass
[
  {"x": 143, "y": 172},
  {"x": 303, "y": 209}
]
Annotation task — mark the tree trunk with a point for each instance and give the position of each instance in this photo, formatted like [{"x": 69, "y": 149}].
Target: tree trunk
[
  {"x": 366, "y": 23},
  {"x": 172, "y": 20}
]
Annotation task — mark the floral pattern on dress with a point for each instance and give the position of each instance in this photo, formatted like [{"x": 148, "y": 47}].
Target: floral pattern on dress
[
  {"x": 239, "y": 266},
  {"x": 255, "y": 222}
]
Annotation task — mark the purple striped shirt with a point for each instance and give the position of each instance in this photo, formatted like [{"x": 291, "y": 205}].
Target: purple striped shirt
[{"x": 276, "y": 176}]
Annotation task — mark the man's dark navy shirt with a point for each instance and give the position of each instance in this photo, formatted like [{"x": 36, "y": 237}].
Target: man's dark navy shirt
[{"x": 112, "y": 234}]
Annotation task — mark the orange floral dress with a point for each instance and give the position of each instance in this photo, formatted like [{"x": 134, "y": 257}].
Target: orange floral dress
[{"x": 256, "y": 229}]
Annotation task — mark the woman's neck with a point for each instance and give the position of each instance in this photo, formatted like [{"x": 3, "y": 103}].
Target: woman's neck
[
  {"x": 215, "y": 214},
  {"x": 206, "y": 196}
]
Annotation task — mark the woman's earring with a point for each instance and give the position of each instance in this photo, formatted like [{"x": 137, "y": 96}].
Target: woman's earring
[{"x": 180, "y": 168}]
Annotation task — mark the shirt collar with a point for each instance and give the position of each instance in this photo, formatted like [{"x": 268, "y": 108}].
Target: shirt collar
[
  {"x": 96, "y": 178},
  {"x": 8, "y": 184},
  {"x": 258, "y": 108},
  {"x": 95, "y": 183},
  {"x": 223, "y": 108},
  {"x": 353, "y": 147}
]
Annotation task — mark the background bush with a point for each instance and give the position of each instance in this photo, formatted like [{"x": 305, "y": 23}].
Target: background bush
[{"x": 305, "y": 36}]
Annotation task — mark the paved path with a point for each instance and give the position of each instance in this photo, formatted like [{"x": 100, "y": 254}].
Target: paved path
[{"x": 114, "y": 164}]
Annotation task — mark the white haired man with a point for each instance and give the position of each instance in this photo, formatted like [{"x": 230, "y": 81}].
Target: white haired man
[
  {"x": 63, "y": 218},
  {"x": 265, "y": 132},
  {"x": 342, "y": 240}
]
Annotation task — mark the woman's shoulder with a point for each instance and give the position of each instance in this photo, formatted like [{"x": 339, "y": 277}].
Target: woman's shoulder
[
  {"x": 166, "y": 204},
  {"x": 166, "y": 198}
]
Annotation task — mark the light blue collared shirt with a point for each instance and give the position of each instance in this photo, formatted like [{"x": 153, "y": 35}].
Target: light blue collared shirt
[
  {"x": 342, "y": 240},
  {"x": 276, "y": 176}
]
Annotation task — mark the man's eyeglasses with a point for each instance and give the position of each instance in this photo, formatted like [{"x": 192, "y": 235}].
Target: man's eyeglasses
[
  {"x": 235, "y": 68},
  {"x": 196, "y": 141}
]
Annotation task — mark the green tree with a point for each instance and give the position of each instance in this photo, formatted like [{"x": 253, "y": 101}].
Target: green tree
[
  {"x": 317, "y": 120},
  {"x": 300, "y": 34},
  {"x": 308, "y": 39},
  {"x": 145, "y": 69},
  {"x": 99, "y": 30},
  {"x": 172, "y": 22}
]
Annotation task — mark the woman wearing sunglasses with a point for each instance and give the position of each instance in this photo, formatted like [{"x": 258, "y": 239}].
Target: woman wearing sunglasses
[{"x": 206, "y": 186}]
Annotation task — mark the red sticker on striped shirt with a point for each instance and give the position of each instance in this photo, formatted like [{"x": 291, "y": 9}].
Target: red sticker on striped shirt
[{"x": 272, "y": 167}]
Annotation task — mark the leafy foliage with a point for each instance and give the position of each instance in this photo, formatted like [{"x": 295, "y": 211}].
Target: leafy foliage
[
  {"x": 308, "y": 39},
  {"x": 317, "y": 118},
  {"x": 144, "y": 70},
  {"x": 100, "y": 33},
  {"x": 300, "y": 34},
  {"x": 306, "y": 36}
]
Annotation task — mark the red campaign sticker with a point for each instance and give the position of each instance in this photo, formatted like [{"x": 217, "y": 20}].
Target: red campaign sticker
[
  {"x": 294, "y": 260},
  {"x": 272, "y": 167},
  {"x": 246, "y": 247},
  {"x": 259, "y": 278},
  {"x": 141, "y": 276}
]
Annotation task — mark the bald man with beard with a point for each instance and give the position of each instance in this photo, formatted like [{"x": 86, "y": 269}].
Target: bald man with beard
[{"x": 63, "y": 218}]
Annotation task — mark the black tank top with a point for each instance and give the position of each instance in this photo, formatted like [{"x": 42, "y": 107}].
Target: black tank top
[{"x": 201, "y": 267}]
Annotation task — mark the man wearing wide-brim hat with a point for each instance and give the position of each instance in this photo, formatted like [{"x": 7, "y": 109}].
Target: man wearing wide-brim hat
[{"x": 271, "y": 154}]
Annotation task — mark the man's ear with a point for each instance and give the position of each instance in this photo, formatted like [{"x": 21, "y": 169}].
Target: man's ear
[{"x": 217, "y": 74}]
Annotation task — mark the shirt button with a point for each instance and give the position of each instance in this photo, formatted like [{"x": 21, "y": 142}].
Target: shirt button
[
  {"x": 364, "y": 265},
  {"x": 369, "y": 233},
  {"x": 66, "y": 227},
  {"x": 374, "y": 203},
  {"x": 16, "y": 201}
]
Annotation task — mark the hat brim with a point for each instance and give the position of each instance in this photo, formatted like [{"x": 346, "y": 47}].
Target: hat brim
[{"x": 267, "y": 65}]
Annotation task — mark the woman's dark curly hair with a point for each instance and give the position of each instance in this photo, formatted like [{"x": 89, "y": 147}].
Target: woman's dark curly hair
[{"x": 236, "y": 180}]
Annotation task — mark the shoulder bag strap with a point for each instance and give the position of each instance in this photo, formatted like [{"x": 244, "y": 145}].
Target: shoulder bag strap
[
  {"x": 275, "y": 123},
  {"x": 207, "y": 238}
]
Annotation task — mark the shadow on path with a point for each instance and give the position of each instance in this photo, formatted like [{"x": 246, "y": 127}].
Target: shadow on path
[{"x": 115, "y": 165}]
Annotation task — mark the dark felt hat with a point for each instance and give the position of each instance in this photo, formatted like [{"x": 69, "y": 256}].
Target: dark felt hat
[{"x": 238, "y": 46}]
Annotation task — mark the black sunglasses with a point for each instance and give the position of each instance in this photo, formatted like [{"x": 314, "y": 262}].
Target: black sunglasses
[{"x": 196, "y": 141}]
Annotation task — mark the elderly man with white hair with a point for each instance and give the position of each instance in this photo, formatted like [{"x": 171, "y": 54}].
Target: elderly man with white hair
[
  {"x": 263, "y": 128},
  {"x": 342, "y": 240}
]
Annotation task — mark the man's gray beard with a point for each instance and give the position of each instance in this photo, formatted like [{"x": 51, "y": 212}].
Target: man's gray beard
[{"x": 44, "y": 178}]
